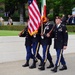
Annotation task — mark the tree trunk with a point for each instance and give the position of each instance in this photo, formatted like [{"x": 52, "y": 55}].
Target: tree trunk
[{"x": 21, "y": 14}]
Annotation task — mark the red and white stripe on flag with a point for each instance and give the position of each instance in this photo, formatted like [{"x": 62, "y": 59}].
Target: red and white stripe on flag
[{"x": 34, "y": 17}]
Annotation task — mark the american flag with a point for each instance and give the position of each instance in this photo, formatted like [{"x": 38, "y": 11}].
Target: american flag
[{"x": 34, "y": 17}]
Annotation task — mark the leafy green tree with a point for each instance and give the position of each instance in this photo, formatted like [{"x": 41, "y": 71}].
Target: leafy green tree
[
  {"x": 12, "y": 5},
  {"x": 58, "y": 6},
  {"x": 66, "y": 6},
  {"x": 2, "y": 0}
]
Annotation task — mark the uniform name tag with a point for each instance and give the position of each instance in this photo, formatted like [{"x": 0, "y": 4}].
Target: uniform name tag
[{"x": 42, "y": 37}]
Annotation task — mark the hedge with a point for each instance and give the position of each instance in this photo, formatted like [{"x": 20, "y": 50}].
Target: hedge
[
  {"x": 70, "y": 28},
  {"x": 12, "y": 27}
]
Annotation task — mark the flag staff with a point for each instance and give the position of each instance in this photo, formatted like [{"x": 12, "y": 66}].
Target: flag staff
[{"x": 43, "y": 15}]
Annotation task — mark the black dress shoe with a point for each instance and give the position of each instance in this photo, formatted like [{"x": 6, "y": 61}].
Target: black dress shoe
[
  {"x": 25, "y": 65},
  {"x": 54, "y": 69},
  {"x": 42, "y": 68},
  {"x": 50, "y": 66},
  {"x": 40, "y": 64},
  {"x": 63, "y": 68},
  {"x": 32, "y": 66}
]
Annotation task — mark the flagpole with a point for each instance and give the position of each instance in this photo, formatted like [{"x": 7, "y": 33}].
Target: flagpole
[
  {"x": 42, "y": 30},
  {"x": 43, "y": 14}
]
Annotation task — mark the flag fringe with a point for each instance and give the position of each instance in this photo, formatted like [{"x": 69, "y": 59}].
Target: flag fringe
[{"x": 33, "y": 33}]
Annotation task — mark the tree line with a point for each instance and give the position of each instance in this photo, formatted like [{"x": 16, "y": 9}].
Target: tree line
[{"x": 57, "y": 6}]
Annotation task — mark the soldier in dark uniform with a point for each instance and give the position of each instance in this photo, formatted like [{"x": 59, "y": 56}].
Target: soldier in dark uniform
[
  {"x": 46, "y": 42},
  {"x": 60, "y": 35},
  {"x": 28, "y": 45},
  {"x": 35, "y": 47}
]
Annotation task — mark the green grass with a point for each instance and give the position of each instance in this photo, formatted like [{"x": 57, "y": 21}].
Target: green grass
[
  {"x": 72, "y": 33},
  {"x": 15, "y": 33},
  {"x": 8, "y": 33}
]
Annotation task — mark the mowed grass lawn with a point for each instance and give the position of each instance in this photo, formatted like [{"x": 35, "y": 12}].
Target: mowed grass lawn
[
  {"x": 9, "y": 33},
  {"x": 71, "y": 33},
  {"x": 15, "y": 33}
]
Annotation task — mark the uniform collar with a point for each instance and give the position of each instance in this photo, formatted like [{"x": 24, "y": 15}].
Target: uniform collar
[{"x": 58, "y": 25}]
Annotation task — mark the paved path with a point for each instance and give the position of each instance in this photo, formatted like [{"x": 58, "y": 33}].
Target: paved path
[
  {"x": 12, "y": 55},
  {"x": 12, "y": 48},
  {"x": 15, "y": 68}
]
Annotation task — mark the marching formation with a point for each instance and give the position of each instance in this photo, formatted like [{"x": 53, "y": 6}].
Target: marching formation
[{"x": 44, "y": 37}]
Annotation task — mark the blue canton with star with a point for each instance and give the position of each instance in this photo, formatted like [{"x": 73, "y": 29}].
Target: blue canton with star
[{"x": 30, "y": 1}]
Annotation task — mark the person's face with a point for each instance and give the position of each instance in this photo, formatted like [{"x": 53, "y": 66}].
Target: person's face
[
  {"x": 69, "y": 16},
  {"x": 47, "y": 19},
  {"x": 57, "y": 21}
]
